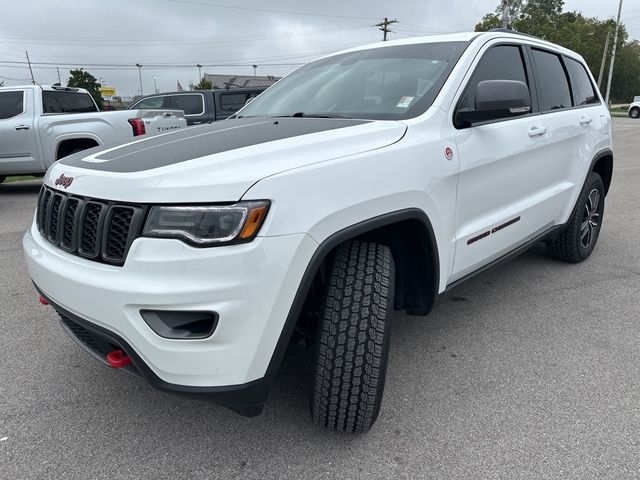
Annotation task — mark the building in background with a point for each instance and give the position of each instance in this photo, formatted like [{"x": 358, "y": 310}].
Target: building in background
[{"x": 244, "y": 81}]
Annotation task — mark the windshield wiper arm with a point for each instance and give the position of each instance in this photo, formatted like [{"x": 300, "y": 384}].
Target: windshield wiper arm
[{"x": 312, "y": 115}]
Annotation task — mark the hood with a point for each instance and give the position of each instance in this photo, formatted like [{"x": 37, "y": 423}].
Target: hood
[{"x": 216, "y": 162}]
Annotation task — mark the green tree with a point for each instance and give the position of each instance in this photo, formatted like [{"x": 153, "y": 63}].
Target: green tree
[
  {"x": 81, "y": 79},
  {"x": 203, "y": 85},
  {"x": 587, "y": 36}
]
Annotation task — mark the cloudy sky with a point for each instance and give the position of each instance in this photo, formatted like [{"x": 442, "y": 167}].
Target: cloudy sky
[{"x": 169, "y": 37}]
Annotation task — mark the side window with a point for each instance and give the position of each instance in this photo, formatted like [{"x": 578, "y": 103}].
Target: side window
[
  {"x": 232, "y": 102},
  {"x": 150, "y": 103},
  {"x": 553, "y": 87},
  {"x": 11, "y": 104},
  {"x": 189, "y": 104},
  {"x": 583, "y": 91},
  {"x": 503, "y": 62}
]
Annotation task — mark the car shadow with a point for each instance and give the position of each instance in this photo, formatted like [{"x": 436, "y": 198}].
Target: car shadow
[{"x": 25, "y": 187}]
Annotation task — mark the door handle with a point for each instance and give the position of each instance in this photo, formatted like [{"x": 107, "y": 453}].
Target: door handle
[
  {"x": 23, "y": 127},
  {"x": 585, "y": 120},
  {"x": 537, "y": 131}
]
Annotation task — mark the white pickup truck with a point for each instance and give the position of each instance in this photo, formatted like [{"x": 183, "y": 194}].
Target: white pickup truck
[{"x": 39, "y": 125}]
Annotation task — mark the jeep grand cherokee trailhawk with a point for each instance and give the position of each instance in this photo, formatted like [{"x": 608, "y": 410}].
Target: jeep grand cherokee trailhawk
[{"x": 368, "y": 181}]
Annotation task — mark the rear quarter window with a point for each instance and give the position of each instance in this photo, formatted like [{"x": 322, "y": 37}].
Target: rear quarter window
[
  {"x": 232, "y": 102},
  {"x": 11, "y": 104}
]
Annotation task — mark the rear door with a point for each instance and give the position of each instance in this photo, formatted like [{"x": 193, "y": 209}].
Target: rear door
[
  {"x": 576, "y": 125},
  {"x": 18, "y": 137},
  {"x": 192, "y": 104},
  {"x": 507, "y": 168}
]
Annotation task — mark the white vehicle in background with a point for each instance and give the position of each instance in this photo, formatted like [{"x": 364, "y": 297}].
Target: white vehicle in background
[
  {"x": 634, "y": 108},
  {"x": 39, "y": 125}
]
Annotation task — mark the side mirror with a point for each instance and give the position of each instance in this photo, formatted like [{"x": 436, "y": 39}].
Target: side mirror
[
  {"x": 497, "y": 99},
  {"x": 249, "y": 100}
]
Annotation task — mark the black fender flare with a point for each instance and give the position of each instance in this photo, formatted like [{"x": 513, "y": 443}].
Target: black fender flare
[{"x": 321, "y": 254}]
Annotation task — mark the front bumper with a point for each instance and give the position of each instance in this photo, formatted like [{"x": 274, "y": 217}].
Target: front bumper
[{"x": 251, "y": 286}]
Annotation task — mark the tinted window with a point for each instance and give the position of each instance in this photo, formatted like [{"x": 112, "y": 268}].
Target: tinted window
[
  {"x": 232, "y": 102},
  {"x": 150, "y": 103},
  {"x": 553, "y": 90},
  {"x": 189, "y": 104},
  {"x": 395, "y": 82},
  {"x": 11, "y": 104},
  {"x": 503, "y": 62},
  {"x": 583, "y": 91},
  {"x": 67, "y": 102}
]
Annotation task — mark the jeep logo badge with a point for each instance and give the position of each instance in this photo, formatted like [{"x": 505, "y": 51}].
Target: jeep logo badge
[{"x": 64, "y": 181}]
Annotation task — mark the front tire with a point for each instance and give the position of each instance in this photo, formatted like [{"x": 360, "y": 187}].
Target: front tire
[
  {"x": 353, "y": 336},
  {"x": 578, "y": 240}
]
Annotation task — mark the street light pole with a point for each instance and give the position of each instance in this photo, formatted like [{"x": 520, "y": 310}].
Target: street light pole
[
  {"x": 613, "y": 55},
  {"x": 199, "y": 72},
  {"x": 140, "y": 77},
  {"x": 255, "y": 67},
  {"x": 155, "y": 86},
  {"x": 604, "y": 60}
]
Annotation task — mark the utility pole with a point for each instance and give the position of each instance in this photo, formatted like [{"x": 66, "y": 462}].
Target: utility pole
[
  {"x": 140, "y": 77},
  {"x": 59, "y": 79},
  {"x": 384, "y": 27},
  {"x": 30, "y": 70},
  {"x": 255, "y": 68},
  {"x": 155, "y": 85},
  {"x": 613, "y": 55},
  {"x": 199, "y": 72},
  {"x": 604, "y": 60},
  {"x": 505, "y": 13}
]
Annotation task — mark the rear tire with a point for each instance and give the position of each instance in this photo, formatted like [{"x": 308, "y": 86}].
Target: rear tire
[
  {"x": 353, "y": 336},
  {"x": 634, "y": 112},
  {"x": 578, "y": 240}
]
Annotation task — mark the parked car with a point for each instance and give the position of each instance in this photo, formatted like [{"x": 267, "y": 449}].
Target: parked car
[
  {"x": 201, "y": 106},
  {"x": 365, "y": 182},
  {"x": 39, "y": 125},
  {"x": 634, "y": 108}
]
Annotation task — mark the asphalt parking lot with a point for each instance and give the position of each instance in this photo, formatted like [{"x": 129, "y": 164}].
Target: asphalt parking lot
[{"x": 530, "y": 370}]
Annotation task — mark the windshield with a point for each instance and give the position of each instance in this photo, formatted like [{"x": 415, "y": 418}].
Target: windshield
[{"x": 390, "y": 83}]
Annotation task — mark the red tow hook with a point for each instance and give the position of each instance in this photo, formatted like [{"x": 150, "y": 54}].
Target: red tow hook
[
  {"x": 118, "y": 359},
  {"x": 42, "y": 300}
]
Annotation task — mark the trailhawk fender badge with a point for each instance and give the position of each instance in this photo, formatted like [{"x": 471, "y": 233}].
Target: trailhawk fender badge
[
  {"x": 64, "y": 181},
  {"x": 448, "y": 153}
]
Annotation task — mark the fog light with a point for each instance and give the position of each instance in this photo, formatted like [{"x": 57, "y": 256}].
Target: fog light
[{"x": 181, "y": 325}]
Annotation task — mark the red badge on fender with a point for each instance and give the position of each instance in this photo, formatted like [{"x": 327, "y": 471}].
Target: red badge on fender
[
  {"x": 448, "y": 152},
  {"x": 64, "y": 181}
]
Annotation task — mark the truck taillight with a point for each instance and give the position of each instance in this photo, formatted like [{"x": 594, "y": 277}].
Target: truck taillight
[{"x": 138, "y": 126}]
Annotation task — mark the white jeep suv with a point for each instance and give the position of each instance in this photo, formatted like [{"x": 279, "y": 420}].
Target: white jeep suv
[{"x": 368, "y": 181}]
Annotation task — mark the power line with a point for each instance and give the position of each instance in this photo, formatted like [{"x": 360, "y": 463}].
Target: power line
[{"x": 264, "y": 10}]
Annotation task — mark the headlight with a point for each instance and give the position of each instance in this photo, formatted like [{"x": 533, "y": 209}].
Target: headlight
[{"x": 204, "y": 226}]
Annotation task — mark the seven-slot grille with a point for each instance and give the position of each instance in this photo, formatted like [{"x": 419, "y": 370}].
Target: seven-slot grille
[{"x": 95, "y": 229}]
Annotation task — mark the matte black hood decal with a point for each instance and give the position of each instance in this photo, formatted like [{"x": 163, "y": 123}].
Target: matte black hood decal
[{"x": 195, "y": 142}]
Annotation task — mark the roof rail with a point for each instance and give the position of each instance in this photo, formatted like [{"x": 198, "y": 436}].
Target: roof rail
[{"x": 514, "y": 32}]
